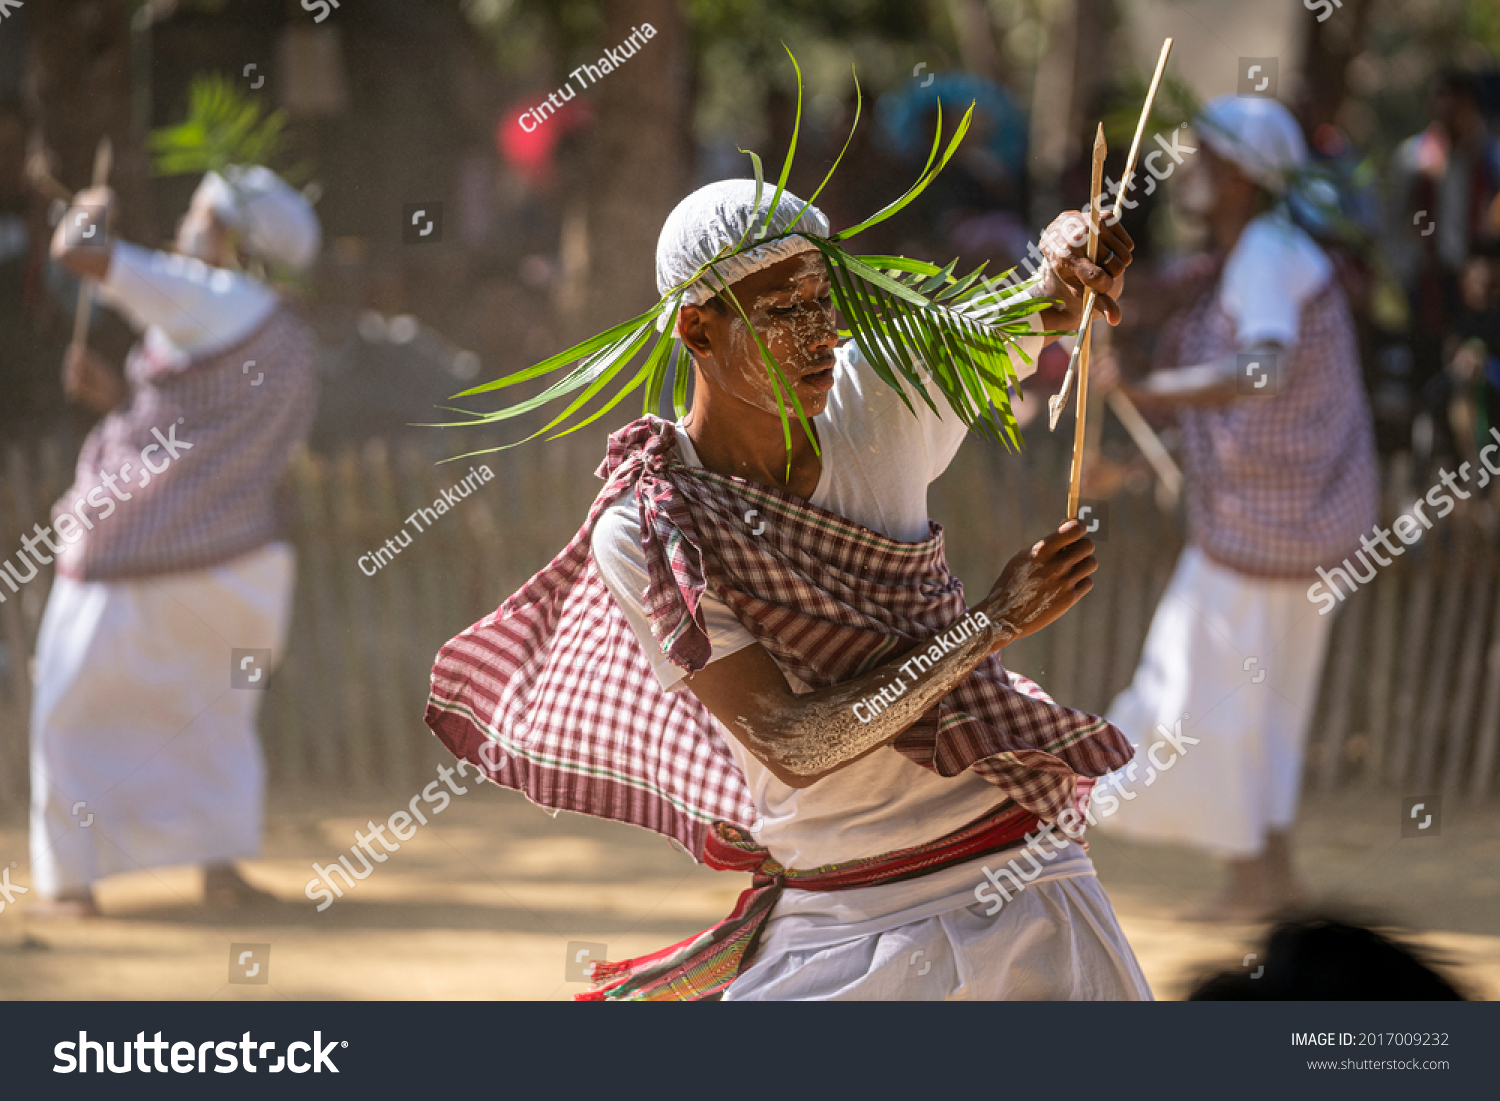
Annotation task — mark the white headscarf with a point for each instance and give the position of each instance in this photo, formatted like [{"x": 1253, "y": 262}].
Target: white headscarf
[
  {"x": 714, "y": 216},
  {"x": 275, "y": 220},
  {"x": 1257, "y": 134}
]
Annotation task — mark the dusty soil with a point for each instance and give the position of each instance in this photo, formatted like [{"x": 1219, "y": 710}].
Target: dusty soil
[{"x": 484, "y": 902}]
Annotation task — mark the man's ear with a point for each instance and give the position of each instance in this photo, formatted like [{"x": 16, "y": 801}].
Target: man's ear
[{"x": 692, "y": 326}]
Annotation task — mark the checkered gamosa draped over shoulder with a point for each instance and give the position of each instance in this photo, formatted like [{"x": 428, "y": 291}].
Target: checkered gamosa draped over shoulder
[{"x": 557, "y": 680}]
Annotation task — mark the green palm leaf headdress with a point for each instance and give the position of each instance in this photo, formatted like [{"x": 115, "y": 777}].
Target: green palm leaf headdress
[
  {"x": 224, "y": 126},
  {"x": 914, "y": 321}
]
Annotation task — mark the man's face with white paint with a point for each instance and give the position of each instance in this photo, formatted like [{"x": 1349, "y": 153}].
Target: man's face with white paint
[{"x": 791, "y": 308}]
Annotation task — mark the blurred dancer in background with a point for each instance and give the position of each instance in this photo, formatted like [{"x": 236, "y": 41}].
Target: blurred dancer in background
[
  {"x": 171, "y": 567},
  {"x": 1281, "y": 480}
]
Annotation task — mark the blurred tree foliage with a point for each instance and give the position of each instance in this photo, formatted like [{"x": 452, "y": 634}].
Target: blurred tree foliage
[
  {"x": 736, "y": 46},
  {"x": 1406, "y": 44}
]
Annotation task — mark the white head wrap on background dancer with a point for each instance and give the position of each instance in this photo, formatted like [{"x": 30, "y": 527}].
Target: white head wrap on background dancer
[
  {"x": 275, "y": 221},
  {"x": 715, "y": 217},
  {"x": 1258, "y": 135}
]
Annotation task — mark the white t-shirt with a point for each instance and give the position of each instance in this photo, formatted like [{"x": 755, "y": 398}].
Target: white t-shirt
[
  {"x": 1272, "y": 270},
  {"x": 187, "y": 309},
  {"x": 877, "y": 462}
]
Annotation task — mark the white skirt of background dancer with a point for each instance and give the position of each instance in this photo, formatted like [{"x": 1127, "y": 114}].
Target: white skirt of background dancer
[
  {"x": 133, "y": 716},
  {"x": 1237, "y": 660}
]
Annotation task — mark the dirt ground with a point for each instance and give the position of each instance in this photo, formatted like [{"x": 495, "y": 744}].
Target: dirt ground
[{"x": 484, "y": 902}]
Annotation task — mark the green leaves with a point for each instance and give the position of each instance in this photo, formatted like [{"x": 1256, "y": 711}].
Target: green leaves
[
  {"x": 224, "y": 126},
  {"x": 929, "y": 173},
  {"x": 914, "y": 320},
  {"x": 918, "y": 325}
]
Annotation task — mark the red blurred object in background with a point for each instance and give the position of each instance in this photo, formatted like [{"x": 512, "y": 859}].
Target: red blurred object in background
[
  {"x": 530, "y": 154},
  {"x": 1051, "y": 366}
]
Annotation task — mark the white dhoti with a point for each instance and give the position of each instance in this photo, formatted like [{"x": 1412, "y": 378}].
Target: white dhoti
[
  {"x": 928, "y": 939},
  {"x": 1236, "y": 660},
  {"x": 142, "y": 753}
]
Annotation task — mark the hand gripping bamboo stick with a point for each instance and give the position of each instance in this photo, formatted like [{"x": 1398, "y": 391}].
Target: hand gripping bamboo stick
[{"x": 1060, "y": 399}]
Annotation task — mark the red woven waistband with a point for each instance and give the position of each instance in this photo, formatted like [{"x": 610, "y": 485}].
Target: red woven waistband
[{"x": 705, "y": 965}]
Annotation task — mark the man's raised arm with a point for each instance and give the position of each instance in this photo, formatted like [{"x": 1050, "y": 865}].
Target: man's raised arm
[{"x": 802, "y": 738}]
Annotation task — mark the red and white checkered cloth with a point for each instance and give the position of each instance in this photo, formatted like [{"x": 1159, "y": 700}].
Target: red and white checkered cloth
[
  {"x": 1277, "y": 486},
  {"x": 218, "y": 498},
  {"x": 557, "y": 678}
]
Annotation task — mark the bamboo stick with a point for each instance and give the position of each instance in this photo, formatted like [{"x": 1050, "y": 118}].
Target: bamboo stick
[
  {"x": 390, "y": 618},
  {"x": 1487, "y": 736},
  {"x": 1080, "y": 427},
  {"x": 1380, "y": 702},
  {"x": 1060, "y": 399},
  {"x": 1417, "y": 631},
  {"x": 1149, "y": 443}
]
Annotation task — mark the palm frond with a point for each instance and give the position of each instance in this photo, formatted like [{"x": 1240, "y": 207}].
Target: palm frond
[
  {"x": 963, "y": 330},
  {"x": 786, "y": 164},
  {"x": 920, "y": 326}
]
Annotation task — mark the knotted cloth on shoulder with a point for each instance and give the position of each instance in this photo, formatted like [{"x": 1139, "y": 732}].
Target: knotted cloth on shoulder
[{"x": 554, "y": 686}]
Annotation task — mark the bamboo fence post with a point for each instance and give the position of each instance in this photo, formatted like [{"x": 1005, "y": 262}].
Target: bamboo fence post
[
  {"x": 284, "y": 719},
  {"x": 413, "y": 468},
  {"x": 1348, "y": 647},
  {"x": 453, "y": 609},
  {"x": 1471, "y": 664},
  {"x": 1416, "y": 627},
  {"x": 17, "y": 634},
  {"x": 329, "y": 659},
  {"x": 1381, "y": 693},
  {"x": 1437, "y": 684},
  {"x": 1487, "y": 733},
  {"x": 390, "y": 612},
  {"x": 353, "y": 522}
]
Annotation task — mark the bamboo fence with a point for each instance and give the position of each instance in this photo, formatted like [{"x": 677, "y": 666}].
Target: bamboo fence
[{"x": 1410, "y": 695}]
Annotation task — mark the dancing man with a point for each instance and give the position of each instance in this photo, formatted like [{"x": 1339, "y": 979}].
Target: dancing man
[
  {"x": 1281, "y": 479},
  {"x": 756, "y": 648},
  {"x": 144, "y": 749}
]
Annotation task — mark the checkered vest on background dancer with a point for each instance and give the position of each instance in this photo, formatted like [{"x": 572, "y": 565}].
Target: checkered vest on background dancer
[
  {"x": 216, "y": 499},
  {"x": 1280, "y": 485}
]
